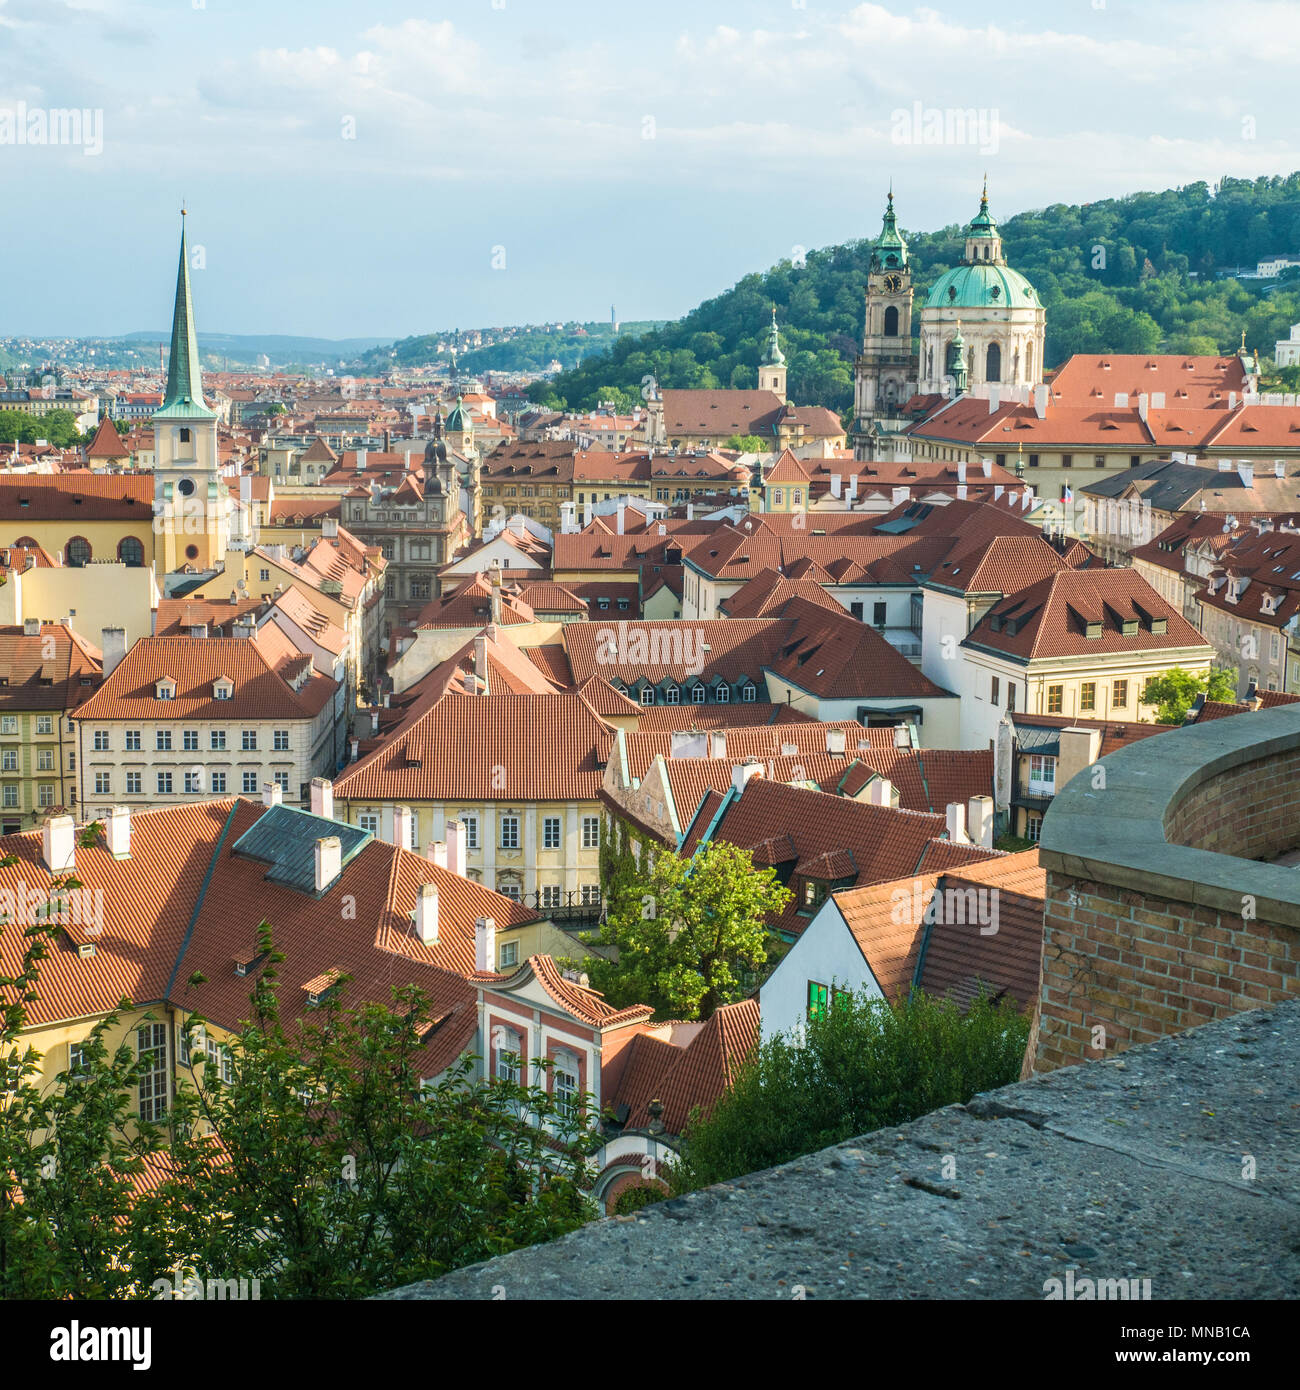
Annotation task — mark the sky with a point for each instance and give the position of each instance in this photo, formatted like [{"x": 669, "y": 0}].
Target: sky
[{"x": 394, "y": 167}]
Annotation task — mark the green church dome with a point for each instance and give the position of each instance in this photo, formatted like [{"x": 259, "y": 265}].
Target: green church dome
[
  {"x": 459, "y": 417},
  {"x": 982, "y": 286}
]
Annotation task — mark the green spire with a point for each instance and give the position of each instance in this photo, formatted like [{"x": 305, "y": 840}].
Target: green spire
[
  {"x": 183, "y": 397},
  {"x": 889, "y": 251},
  {"x": 983, "y": 224},
  {"x": 774, "y": 357}
]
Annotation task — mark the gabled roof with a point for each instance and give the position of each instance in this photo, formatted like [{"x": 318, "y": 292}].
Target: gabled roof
[
  {"x": 196, "y": 664},
  {"x": 107, "y": 443},
  {"x": 1053, "y": 618},
  {"x": 561, "y": 759}
]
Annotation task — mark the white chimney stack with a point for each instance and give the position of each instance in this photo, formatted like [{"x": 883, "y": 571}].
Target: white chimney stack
[
  {"x": 998, "y": 490},
  {"x": 986, "y": 464},
  {"x": 112, "y": 643},
  {"x": 742, "y": 773},
  {"x": 1246, "y": 471},
  {"x": 485, "y": 943},
  {"x": 622, "y": 516},
  {"x": 426, "y": 914},
  {"x": 717, "y": 744},
  {"x": 961, "y": 470},
  {"x": 835, "y": 740},
  {"x": 322, "y": 797},
  {"x": 272, "y": 794},
  {"x": 437, "y": 854},
  {"x": 118, "y": 829},
  {"x": 881, "y": 792},
  {"x": 1040, "y": 402},
  {"x": 835, "y": 484},
  {"x": 59, "y": 844},
  {"x": 961, "y": 492},
  {"x": 981, "y": 821},
  {"x": 403, "y": 823},
  {"x": 329, "y": 861},
  {"x": 957, "y": 822},
  {"x": 456, "y": 847}
]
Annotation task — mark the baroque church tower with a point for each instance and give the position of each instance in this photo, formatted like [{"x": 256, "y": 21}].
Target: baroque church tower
[
  {"x": 192, "y": 505},
  {"x": 885, "y": 372},
  {"x": 771, "y": 370}
]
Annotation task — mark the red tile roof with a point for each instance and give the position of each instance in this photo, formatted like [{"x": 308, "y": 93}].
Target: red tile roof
[
  {"x": 195, "y": 664},
  {"x": 54, "y": 669}
]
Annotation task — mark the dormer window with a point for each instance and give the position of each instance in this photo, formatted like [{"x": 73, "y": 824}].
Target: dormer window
[
  {"x": 165, "y": 689},
  {"x": 223, "y": 689}
]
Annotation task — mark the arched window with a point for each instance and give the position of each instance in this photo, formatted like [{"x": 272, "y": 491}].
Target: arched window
[
  {"x": 78, "y": 552},
  {"x": 130, "y": 552},
  {"x": 509, "y": 1049},
  {"x": 891, "y": 321},
  {"x": 993, "y": 370},
  {"x": 26, "y": 543}
]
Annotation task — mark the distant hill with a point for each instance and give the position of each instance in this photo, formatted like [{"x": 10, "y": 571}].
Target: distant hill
[
  {"x": 530, "y": 350},
  {"x": 278, "y": 347},
  {"x": 1133, "y": 274}
]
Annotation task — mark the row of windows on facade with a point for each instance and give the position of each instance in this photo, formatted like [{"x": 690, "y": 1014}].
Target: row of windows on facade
[
  {"x": 1031, "y": 460},
  {"x": 218, "y": 783},
  {"x": 154, "y": 1077},
  {"x": 103, "y": 742},
  {"x": 46, "y": 795},
  {"x": 648, "y": 694},
  {"x": 507, "y": 829},
  {"x": 79, "y": 552},
  {"x": 1088, "y": 694},
  {"x": 44, "y": 760}
]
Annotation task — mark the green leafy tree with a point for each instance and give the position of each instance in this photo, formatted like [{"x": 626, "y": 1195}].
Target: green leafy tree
[
  {"x": 690, "y": 932},
  {"x": 749, "y": 443},
  {"x": 1176, "y": 690},
  {"x": 318, "y": 1163},
  {"x": 860, "y": 1065}
]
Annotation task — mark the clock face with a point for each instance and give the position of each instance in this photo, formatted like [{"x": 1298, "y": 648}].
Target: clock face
[{"x": 893, "y": 283}]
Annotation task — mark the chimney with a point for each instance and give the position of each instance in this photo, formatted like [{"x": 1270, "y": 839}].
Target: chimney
[
  {"x": 485, "y": 943},
  {"x": 329, "y": 861},
  {"x": 1279, "y": 468},
  {"x": 981, "y": 821},
  {"x": 586, "y": 512},
  {"x": 426, "y": 914},
  {"x": 403, "y": 822},
  {"x": 961, "y": 492},
  {"x": 1026, "y": 498},
  {"x": 322, "y": 797},
  {"x": 957, "y": 822},
  {"x": 621, "y": 516},
  {"x": 272, "y": 794},
  {"x": 1232, "y": 401},
  {"x": 961, "y": 470},
  {"x": 456, "y": 847},
  {"x": 388, "y": 441},
  {"x": 374, "y": 719},
  {"x": 329, "y": 527},
  {"x": 58, "y": 844},
  {"x": 354, "y": 749},
  {"x": 117, "y": 828},
  {"x": 881, "y": 792},
  {"x": 32, "y": 628},
  {"x": 835, "y": 485},
  {"x": 986, "y": 465},
  {"x": 112, "y": 642},
  {"x": 995, "y": 398},
  {"x": 717, "y": 744},
  {"x": 1246, "y": 471},
  {"x": 998, "y": 490},
  {"x": 741, "y": 773},
  {"x": 1143, "y": 402},
  {"x": 361, "y": 460},
  {"x": 900, "y": 495},
  {"x": 687, "y": 743},
  {"x": 835, "y": 741},
  {"x": 437, "y": 854}
]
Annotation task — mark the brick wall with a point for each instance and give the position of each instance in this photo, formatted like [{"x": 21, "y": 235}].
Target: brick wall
[
  {"x": 1249, "y": 811},
  {"x": 1139, "y": 967}
]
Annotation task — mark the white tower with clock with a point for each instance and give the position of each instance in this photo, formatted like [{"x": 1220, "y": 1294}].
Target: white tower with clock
[
  {"x": 885, "y": 371},
  {"x": 192, "y": 504}
]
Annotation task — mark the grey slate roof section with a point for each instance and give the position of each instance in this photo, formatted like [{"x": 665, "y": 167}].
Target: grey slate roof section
[
  {"x": 1123, "y": 1169},
  {"x": 1176, "y": 483},
  {"x": 285, "y": 838}
]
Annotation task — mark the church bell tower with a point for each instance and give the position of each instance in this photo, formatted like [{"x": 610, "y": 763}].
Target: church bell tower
[{"x": 885, "y": 370}]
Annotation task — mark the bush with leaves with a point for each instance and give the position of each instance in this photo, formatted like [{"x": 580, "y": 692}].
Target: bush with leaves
[
  {"x": 1176, "y": 690},
  {"x": 860, "y": 1065}
]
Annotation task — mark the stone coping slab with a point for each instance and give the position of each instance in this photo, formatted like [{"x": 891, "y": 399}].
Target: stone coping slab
[{"x": 1178, "y": 1163}]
